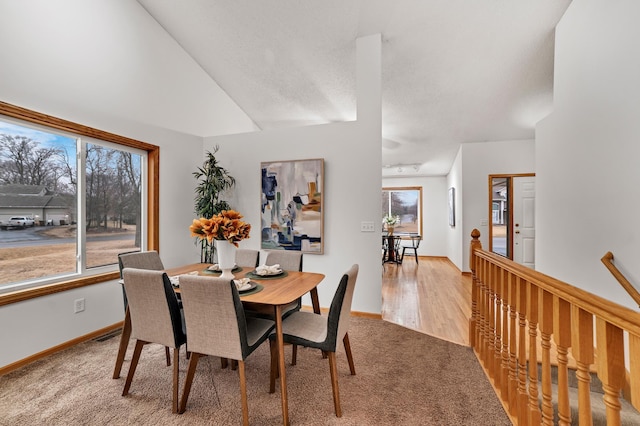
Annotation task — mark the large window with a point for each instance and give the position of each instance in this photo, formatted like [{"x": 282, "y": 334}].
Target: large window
[
  {"x": 406, "y": 203},
  {"x": 71, "y": 199}
]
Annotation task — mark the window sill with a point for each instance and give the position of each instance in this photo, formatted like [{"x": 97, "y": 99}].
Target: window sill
[{"x": 35, "y": 292}]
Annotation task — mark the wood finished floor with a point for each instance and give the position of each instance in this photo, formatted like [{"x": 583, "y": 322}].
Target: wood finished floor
[{"x": 432, "y": 297}]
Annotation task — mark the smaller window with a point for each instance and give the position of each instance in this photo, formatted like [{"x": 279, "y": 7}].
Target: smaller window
[{"x": 406, "y": 203}]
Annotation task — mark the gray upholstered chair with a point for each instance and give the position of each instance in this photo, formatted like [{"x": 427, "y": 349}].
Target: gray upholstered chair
[
  {"x": 155, "y": 318},
  {"x": 288, "y": 261},
  {"x": 141, "y": 260},
  {"x": 322, "y": 332},
  {"x": 216, "y": 325},
  {"x": 247, "y": 257},
  {"x": 412, "y": 244}
]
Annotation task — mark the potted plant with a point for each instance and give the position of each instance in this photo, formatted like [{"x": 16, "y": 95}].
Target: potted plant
[
  {"x": 213, "y": 181},
  {"x": 390, "y": 221}
]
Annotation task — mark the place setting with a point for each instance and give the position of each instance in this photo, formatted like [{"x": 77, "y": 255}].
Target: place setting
[
  {"x": 216, "y": 270},
  {"x": 265, "y": 272},
  {"x": 245, "y": 286},
  {"x": 175, "y": 279}
]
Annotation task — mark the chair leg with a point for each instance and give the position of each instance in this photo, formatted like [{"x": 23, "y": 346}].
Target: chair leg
[
  {"x": 193, "y": 363},
  {"x": 294, "y": 354},
  {"x": 243, "y": 394},
  {"x": 416, "y": 252},
  {"x": 274, "y": 373},
  {"x": 124, "y": 342},
  {"x": 132, "y": 366},
  {"x": 176, "y": 378},
  {"x": 223, "y": 363},
  {"x": 347, "y": 349},
  {"x": 334, "y": 383}
]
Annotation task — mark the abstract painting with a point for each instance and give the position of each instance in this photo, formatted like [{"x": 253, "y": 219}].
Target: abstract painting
[{"x": 292, "y": 198}]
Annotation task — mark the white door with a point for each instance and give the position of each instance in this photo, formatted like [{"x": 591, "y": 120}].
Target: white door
[{"x": 524, "y": 232}]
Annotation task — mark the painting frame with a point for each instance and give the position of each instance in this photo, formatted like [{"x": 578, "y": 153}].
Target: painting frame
[
  {"x": 292, "y": 205},
  {"x": 452, "y": 207}
]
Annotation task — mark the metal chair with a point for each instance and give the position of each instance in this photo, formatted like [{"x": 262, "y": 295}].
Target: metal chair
[{"x": 413, "y": 245}]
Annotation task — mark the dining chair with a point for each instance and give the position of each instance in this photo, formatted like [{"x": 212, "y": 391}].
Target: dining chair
[
  {"x": 288, "y": 261},
  {"x": 248, "y": 258},
  {"x": 141, "y": 260},
  {"x": 155, "y": 318},
  {"x": 322, "y": 331},
  {"x": 217, "y": 326},
  {"x": 413, "y": 244}
]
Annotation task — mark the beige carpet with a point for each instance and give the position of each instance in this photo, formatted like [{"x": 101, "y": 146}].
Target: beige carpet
[{"x": 403, "y": 378}]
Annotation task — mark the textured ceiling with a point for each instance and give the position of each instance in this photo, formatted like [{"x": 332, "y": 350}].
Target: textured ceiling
[{"x": 453, "y": 71}]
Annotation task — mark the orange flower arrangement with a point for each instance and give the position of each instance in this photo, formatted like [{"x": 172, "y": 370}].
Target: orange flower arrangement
[{"x": 224, "y": 226}]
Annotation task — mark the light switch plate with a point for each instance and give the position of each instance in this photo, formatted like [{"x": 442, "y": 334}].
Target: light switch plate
[{"x": 367, "y": 227}]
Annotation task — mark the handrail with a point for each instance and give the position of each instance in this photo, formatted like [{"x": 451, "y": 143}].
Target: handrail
[
  {"x": 523, "y": 321},
  {"x": 607, "y": 259}
]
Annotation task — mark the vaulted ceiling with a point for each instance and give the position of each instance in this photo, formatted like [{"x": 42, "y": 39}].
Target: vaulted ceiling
[{"x": 453, "y": 71}]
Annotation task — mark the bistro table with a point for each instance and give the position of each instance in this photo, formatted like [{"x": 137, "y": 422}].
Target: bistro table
[
  {"x": 276, "y": 292},
  {"x": 390, "y": 244}
]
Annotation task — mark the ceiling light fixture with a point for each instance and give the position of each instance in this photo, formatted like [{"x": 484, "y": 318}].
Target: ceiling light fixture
[{"x": 401, "y": 168}]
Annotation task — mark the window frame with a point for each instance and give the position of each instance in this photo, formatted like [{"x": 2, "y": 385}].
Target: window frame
[
  {"x": 153, "y": 196},
  {"x": 409, "y": 188}
]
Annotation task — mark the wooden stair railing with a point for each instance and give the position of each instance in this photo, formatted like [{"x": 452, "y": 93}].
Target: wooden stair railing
[
  {"x": 607, "y": 259},
  {"x": 517, "y": 311}
]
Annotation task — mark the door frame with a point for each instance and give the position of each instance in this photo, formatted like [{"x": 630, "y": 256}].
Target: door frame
[{"x": 509, "y": 177}]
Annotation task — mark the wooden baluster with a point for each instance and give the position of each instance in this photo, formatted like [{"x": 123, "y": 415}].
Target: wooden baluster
[
  {"x": 562, "y": 337},
  {"x": 504, "y": 355},
  {"x": 473, "y": 320},
  {"x": 582, "y": 344},
  {"x": 491, "y": 330},
  {"x": 523, "y": 416},
  {"x": 634, "y": 369},
  {"x": 546, "y": 329},
  {"x": 481, "y": 309},
  {"x": 513, "y": 342},
  {"x": 497, "y": 339},
  {"x": 473, "y": 265},
  {"x": 485, "y": 312},
  {"x": 532, "y": 315},
  {"x": 611, "y": 369}
]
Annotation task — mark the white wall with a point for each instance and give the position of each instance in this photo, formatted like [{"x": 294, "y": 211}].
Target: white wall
[
  {"x": 456, "y": 243},
  {"x": 434, "y": 211},
  {"x": 352, "y": 154},
  {"x": 108, "y": 65},
  {"x": 587, "y": 150},
  {"x": 470, "y": 176}
]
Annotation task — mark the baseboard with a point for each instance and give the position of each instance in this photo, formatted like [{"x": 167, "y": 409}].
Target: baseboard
[
  {"x": 353, "y": 313},
  {"x": 35, "y": 357}
]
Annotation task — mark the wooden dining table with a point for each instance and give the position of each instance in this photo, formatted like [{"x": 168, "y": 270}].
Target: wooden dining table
[{"x": 276, "y": 292}]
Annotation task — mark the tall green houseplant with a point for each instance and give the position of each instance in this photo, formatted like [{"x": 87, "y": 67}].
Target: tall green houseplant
[{"x": 213, "y": 181}]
